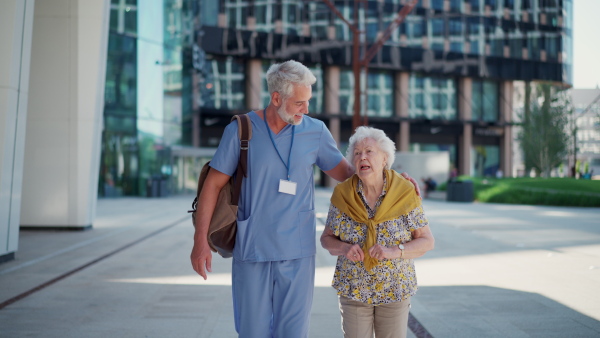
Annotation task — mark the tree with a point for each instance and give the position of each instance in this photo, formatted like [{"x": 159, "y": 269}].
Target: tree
[{"x": 544, "y": 137}]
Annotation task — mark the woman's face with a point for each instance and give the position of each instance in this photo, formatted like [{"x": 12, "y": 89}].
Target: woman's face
[{"x": 369, "y": 160}]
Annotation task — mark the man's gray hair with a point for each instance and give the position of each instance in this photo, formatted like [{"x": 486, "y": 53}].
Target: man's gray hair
[
  {"x": 384, "y": 143},
  {"x": 281, "y": 77}
]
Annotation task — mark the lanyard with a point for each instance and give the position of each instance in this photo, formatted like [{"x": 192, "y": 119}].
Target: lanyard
[{"x": 273, "y": 142}]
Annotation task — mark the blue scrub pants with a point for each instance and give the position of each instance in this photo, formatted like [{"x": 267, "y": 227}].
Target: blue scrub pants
[{"x": 273, "y": 299}]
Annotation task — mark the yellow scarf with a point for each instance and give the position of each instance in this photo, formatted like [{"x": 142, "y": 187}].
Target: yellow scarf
[{"x": 400, "y": 199}]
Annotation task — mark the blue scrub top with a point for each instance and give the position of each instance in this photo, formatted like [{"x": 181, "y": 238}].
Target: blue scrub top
[{"x": 274, "y": 226}]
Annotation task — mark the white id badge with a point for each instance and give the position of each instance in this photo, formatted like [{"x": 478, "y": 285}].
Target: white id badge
[{"x": 287, "y": 187}]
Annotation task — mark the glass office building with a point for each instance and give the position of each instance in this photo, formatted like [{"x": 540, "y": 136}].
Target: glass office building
[
  {"x": 442, "y": 81},
  {"x": 146, "y": 97}
]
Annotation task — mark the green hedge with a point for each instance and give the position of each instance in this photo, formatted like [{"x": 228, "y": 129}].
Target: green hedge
[{"x": 537, "y": 191}]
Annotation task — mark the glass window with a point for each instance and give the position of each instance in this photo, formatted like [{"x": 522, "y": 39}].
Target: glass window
[
  {"x": 551, "y": 49},
  {"x": 223, "y": 86},
  {"x": 316, "y": 102},
  {"x": 437, "y": 4},
  {"x": 497, "y": 47},
  {"x": 475, "y": 47},
  {"x": 490, "y": 101},
  {"x": 380, "y": 94},
  {"x": 484, "y": 100},
  {"x": 114, "y": 19},
  {"x": 264, "y": 93},
  {"x": 432, "y": 97},
  {"x": 476, "y": 106},
  {"x": 437, "y": 26},
  {"x": 130, "y": 21},
  {"x": 516, "y": 47},
  {"x": 415, "y": 31},
  {"x": 456, "y": 5},
  {"x": 208, "y": 12},
  {"x": 437, "y": 46},
  {"x": 456, "y": 27},
  {"x": 346, "y": 96},
  {"x": 456, "y": 46},
  {"x": 533, "y": 48},
  {"x": 486, "y": 160}
]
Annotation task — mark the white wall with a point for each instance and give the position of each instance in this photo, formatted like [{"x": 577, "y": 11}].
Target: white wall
[
  {"x": 64, "y": 120},
  {"x": 434, "y": 164},
  {"x": 16, "y": 22}
]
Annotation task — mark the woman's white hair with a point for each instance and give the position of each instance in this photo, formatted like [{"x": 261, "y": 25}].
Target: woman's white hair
[
  {"x": 281, "y": 77},
  {"x": 384, "y": 143}
]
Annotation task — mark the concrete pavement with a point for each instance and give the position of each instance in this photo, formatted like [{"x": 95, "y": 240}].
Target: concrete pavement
[{"x": 496, "y": 271}]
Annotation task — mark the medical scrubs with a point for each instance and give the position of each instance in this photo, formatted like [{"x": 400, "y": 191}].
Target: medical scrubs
[{"x": 273, "y": 259}]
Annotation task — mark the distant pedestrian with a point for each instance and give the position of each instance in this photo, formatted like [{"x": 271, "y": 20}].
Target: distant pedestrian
[
  {"x": 430, "y": 185},
  {"x": 376, "y": 226}
]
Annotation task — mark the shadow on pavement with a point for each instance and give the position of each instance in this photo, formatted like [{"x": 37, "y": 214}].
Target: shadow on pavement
[{"x": 483, "y": 311}]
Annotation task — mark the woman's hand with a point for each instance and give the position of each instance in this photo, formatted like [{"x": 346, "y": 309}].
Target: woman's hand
[
  {"x": 382, "y": 252},
  {"x": 337, "y": 247},
  {"x": 354, "y": 253}
]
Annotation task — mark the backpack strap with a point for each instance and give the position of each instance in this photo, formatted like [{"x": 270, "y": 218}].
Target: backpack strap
[{"x": 244, "y": 134}]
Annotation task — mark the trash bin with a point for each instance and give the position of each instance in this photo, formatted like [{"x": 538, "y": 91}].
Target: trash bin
[
  {"x": 157, "y": 186},
  {"x": 460, "y": 191},
  {"x": 152, "y": 187}
]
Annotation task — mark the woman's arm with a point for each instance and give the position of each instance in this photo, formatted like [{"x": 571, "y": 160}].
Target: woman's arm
[
  {"x": 422, "y": 242},
  {"x": 336, "y": 247}
]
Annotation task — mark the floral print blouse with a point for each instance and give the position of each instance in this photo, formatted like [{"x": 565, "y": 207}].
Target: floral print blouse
[{"x": 391, "y": 280}]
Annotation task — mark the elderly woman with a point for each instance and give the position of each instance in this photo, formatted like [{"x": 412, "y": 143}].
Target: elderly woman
[{"x": 376, "y": 226}]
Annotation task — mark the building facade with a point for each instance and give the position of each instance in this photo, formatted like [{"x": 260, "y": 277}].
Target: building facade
[{"x": 443, "y": 81}]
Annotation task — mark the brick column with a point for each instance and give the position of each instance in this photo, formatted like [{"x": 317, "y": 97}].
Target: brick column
[
  {"x": 506, "y": 150},
  {"x": 401, "y": 108},
  {"x": 253, "y": 84},
  {"x": 332, "y": 107},
  {"x": 465, "y": 140}
]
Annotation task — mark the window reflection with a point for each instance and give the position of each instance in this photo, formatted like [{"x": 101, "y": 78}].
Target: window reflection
[
  {"x": 223, "y": 85},
  {"x": 432, "y": 97},
  {"x": 380, "y": 90},
  {"x": 485, "y": 95}
]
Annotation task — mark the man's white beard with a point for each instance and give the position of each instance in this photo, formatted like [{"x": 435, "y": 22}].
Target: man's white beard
[{"x": 287, "y": 118}]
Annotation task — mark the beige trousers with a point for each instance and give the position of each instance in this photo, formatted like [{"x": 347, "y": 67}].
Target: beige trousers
[{"x": 360, "y": 320}]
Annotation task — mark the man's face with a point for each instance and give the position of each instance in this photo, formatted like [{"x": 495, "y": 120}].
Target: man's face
[{"x": 293, "y": 109}]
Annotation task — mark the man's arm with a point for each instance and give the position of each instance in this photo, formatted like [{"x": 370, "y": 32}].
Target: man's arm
[
  {"x": 342, "y": 171},
  {"x": 201, "y": 255}
]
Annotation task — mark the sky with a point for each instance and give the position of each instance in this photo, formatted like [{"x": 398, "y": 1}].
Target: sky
[{"x": 586, "y": 43}]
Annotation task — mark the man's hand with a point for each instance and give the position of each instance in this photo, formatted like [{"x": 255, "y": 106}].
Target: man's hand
[
  {"x": 201, "y": 257},
  {"x": 412, "y": 180}
]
